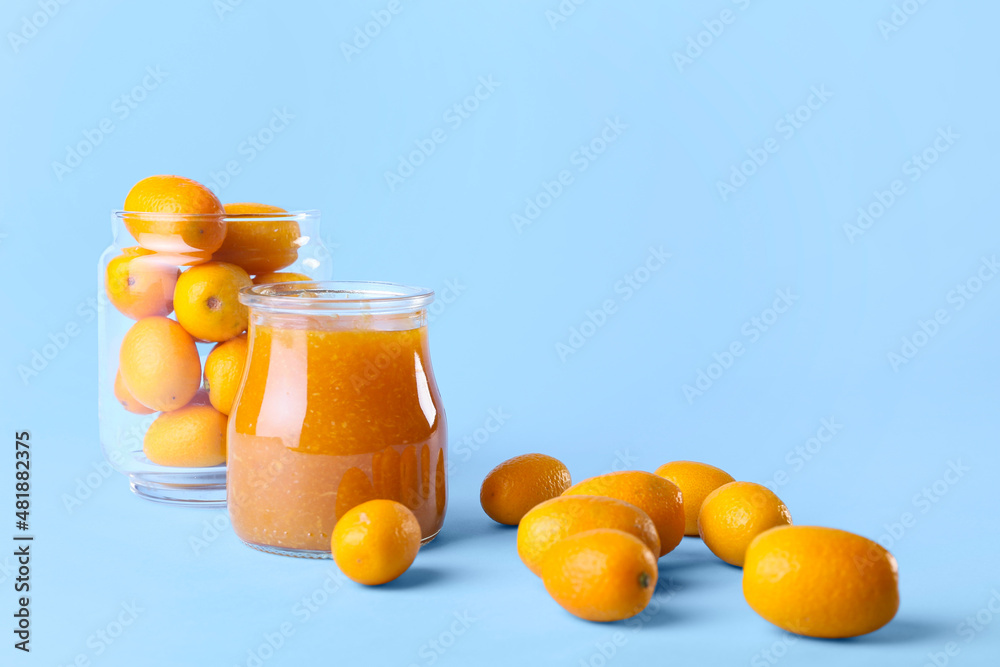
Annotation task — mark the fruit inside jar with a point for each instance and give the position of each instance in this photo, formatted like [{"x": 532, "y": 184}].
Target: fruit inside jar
[{"x": 170, "y": 327}]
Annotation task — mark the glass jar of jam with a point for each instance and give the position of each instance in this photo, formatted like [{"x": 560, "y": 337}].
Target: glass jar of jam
[{"x": 338, "y": 405}]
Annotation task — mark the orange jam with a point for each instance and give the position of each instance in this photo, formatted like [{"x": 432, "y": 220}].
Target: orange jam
[{"x": 334, "y": 409}]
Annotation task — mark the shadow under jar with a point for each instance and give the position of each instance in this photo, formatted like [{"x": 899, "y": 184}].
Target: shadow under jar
[{"x": 338, "y": 405}]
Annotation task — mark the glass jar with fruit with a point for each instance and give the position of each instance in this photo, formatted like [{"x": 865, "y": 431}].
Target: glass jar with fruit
[{"x": 172, "y": 331}]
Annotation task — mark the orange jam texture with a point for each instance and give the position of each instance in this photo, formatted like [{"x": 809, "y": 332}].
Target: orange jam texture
[{"x": 329, "y": 419}]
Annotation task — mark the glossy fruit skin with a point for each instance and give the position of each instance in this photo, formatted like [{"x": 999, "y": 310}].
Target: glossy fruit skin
[
  {"x": 140, "y": 284},
  {"x": 695, "y": 480},
  {"x": 128, "y": 400},
  {"x": 280, "y": 277},
  {"x": 186, "y": 217},
  {"x": 601, "y": 575},
  {"x": 512, "y": 488},
  {"x": 172, "y": 194},
  {"x": 207, "y": 304},
  {"x": 554, "y": 520},
  {"x": 223, "y": 371},
  {"x": 734, "y": 514},
  {"x": 252, "y": 208},
  {"x": 257, "y": 239},
  {"x": 159, "y": 364},
  {"x": 820, "y": 582},
  {"x": 657, "y": 497},
  {"x": 192, "y": 437},
  {"x": 375, "y": 542}
]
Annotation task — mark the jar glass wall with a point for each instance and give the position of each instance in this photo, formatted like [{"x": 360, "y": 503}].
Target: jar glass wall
[
  {"x": 137, "y": 278},
  {"x": 338, "y": 406}
]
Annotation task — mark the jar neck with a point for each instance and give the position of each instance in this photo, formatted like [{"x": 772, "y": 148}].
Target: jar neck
[
  {"x": 338, "y": 305},
  {"x": 333, "y": 320}
]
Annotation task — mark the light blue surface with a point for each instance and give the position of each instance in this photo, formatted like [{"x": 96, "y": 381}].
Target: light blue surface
[{"x": 617, "y": 401}]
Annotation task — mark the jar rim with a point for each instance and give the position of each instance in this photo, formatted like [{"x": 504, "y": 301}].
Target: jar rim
[
  {"x": 336, "y": 296},
  {"x": 297, "y": 215}
]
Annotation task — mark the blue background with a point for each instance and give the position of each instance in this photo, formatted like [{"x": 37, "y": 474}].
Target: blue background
[{"x": 617, "y": 401}]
